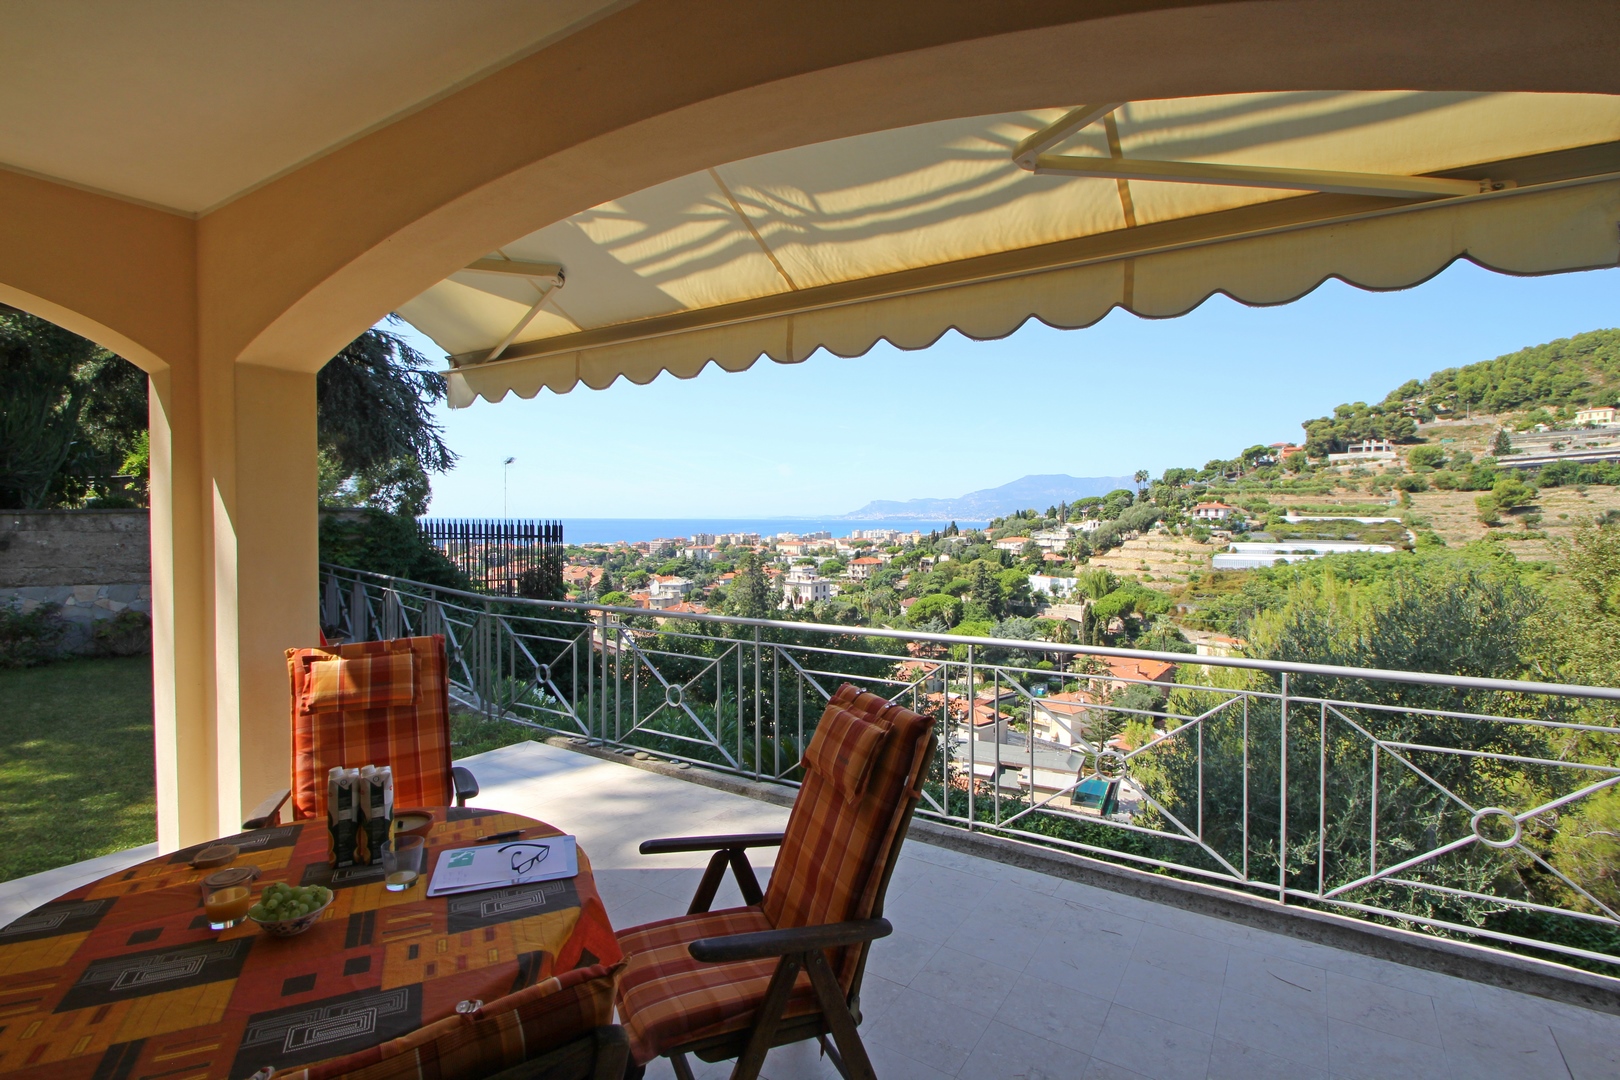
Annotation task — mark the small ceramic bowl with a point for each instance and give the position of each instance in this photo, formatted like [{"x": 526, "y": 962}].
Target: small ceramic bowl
[
  {"x": 412, "y": 823},
  {"x": 294, "y": 927}
]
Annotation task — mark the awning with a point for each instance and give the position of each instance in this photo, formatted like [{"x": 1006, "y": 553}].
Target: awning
[{"x": 1061, "y": 215}]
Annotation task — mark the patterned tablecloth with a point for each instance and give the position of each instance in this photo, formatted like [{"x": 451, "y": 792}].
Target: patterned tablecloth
[{"x": 123, "y": 980}]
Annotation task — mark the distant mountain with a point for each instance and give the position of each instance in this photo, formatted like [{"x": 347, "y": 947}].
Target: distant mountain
[{"x": 1038, "y": 492}]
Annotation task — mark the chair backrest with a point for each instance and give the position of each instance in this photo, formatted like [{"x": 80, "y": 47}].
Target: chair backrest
[
  {"x": 863, "y": 771},
  {"x": 371, "y": 703}
]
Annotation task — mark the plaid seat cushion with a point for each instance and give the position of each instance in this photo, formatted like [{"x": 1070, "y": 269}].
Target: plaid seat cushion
[
  {"x": 413, "y": 738},
  {"x": 504, "y": 1033},
  {"x": 367, "y": 682},
  {"x": 666, "y": 998}
]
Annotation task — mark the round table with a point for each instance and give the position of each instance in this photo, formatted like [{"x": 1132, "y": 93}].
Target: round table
[{"x": 122, "y": 979}]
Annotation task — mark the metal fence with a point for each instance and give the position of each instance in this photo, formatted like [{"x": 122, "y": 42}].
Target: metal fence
[
  {"x": 501, "y": 556},
  {"x": 1464, "y": 806}
]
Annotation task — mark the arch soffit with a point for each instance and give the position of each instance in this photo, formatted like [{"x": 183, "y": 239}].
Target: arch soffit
[{"x": 498, "y": 160}]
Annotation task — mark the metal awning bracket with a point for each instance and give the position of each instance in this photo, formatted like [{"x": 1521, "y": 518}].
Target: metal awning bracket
[{"x": 546, "y": 277}]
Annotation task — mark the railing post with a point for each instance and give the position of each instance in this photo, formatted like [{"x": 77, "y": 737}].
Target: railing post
[
  {"x": 759, "y": 700},
  {"x": 1282, "y": 816},
  {"x": 972, "y": 739}
]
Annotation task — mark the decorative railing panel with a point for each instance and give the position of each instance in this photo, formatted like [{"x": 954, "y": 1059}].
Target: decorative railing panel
[{"x": 1462, "y": 806}]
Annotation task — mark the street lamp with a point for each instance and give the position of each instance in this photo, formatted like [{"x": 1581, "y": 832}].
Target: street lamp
[{"x": 506, "y": 471}]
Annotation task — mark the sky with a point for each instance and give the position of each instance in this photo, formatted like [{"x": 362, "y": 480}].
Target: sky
[{"x": 831, "y": 434}]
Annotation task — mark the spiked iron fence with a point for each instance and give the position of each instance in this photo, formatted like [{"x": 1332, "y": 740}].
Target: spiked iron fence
[
  {"x": 505, "y": 557},
  {"x": 1463, "y": 806}
]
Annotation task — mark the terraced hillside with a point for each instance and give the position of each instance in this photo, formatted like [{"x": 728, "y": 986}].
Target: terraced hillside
[{"x": 1157, "y": 560}]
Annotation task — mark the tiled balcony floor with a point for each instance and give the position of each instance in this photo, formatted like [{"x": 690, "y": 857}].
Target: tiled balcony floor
[{"x": 996, "y": 971}]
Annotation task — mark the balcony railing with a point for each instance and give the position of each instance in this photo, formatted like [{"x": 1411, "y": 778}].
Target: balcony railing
[{"x": 1466, "y": 807}]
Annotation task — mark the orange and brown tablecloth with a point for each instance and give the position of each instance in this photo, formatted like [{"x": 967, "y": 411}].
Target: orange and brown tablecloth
[{"x": 122, "y": 979}]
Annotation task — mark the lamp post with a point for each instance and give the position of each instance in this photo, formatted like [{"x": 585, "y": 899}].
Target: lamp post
[{"x": 506, "y": 471}]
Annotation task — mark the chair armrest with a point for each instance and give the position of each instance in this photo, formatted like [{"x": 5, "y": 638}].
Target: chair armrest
[
  {"x": 795, "y": 939},
  {"x": 268, "y": 812},
  {"x": 710, "y": 843},
  {"x": 465, "y": 783}
]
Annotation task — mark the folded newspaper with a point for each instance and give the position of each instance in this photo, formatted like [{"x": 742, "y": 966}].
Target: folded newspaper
[{"x": 495, "y": 866}]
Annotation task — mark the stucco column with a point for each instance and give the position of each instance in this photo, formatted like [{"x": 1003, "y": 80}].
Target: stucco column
[{"x": 234, "y": 569}]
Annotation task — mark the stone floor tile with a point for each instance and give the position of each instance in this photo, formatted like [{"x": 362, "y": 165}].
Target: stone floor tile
[
  {"x": 877, "y": 994},
  {"x": 1386, "y": 1008},
  {"x": 1151, "y": 1046},
  {"x": 1075, "y": 918},
  {"x": 890, "y": 1064},
  {"x": 1234, "y": 1061},
  {"x": 1277, "y": 979},
  {"x": 1192, "y": 1000},
  {"x": 1007, "y": 1052},
  {"x": 1511, "y": 1044},
  {"x": 1364, "y": 1053},
  {"x": 1098, "y": 1069},
  {"x": 900, "y": 956},
  {"x": 989, "y": 936},
  {"x": 964, "y": 981},
  {"x": 1090, "y": 963},
  {"x": 1054, "y": 1012},
  {"x": 1587, "y": 1056},
  {"x": 798, "y": 1061},
  {"x": 1181, "y": 953},
  {"x": 921, "y": 1028},
  {"x": 1296, "y": 1031}
]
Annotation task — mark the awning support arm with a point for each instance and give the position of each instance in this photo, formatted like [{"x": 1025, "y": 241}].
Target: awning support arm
[
  {"x": 547, "y": 277},
  {"x": 1252, "y": 176},
  {"x": 1049, "y": 136}
]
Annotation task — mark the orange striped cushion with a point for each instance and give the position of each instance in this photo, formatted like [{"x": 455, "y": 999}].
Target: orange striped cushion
[
  {"x": 504, "y": 1033},
  {"x": 834, "y": 848},
  {"x": 844, "y": 749},
  {"x": 413, "y": 738},
  {"x": 367, "y": 682}
]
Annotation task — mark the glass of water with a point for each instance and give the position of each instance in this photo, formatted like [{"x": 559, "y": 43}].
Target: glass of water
[{"x": 402, "y": 862}]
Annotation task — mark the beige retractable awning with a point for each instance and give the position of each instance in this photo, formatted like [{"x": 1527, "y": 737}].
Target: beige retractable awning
[{"x": 979, "y": 224}]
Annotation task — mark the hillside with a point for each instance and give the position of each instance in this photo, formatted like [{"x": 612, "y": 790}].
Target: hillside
[
  {"x": 1567, "y": 373},
  {"x": 1021, "y": 494}
]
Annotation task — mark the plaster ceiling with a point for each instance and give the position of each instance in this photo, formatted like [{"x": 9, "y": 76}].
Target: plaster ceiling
[{"x": 186, "y": 104}]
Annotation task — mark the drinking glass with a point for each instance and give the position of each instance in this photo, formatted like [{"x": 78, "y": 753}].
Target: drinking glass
[
  {"x": 402, "y": 862},
  {"x": 228, "y": 906}
]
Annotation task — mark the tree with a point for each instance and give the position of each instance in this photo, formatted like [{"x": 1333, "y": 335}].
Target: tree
[
  {"x": 1426, "y": 457},
  {"x": 936, "y": 607},
  {"x": 1503, "y": 444},
  {"x": 375, "y": 424},
  {"x": 750, "y": 594},
  {"x": 68, "y": 409},
  {"x": 1511, "y": 493}
]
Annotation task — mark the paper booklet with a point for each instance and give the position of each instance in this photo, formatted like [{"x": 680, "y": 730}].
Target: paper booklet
[{"x": 494, "y": 866}]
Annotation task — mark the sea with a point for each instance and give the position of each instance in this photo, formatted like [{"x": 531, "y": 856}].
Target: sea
[{"x": 607, "y": 530}]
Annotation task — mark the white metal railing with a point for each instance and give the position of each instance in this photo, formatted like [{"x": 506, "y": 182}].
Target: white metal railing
[{"x": 1447, "y": 803}]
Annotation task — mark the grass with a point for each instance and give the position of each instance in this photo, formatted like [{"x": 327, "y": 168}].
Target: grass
[
  {"x": 76, "y": 764},
  {"x": 76, "y": 771}
]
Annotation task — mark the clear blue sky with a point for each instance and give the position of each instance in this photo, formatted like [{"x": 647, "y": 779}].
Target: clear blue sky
[{"x": 829, "y": 435}]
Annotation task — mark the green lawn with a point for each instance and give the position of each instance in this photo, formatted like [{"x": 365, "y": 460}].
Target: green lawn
[{"x": 75, "y": 762}]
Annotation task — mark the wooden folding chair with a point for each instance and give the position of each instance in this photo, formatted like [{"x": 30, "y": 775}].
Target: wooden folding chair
[
  {"x": 370, "y": 703},
  {"x": 787, "y": 967}
]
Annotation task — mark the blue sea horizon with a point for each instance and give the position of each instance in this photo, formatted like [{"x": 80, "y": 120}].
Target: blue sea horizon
[{"x": 631, "y": 530}]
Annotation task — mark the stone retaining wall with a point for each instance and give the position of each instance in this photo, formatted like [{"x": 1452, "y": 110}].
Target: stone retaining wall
[{"x": 94, "y": 563}]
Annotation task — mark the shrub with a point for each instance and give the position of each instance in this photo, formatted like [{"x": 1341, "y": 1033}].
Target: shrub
[
  {"x": 385, "y": 543},
  {"x": 128, "y": 633},
  {"x": 30, "y": 639}
]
